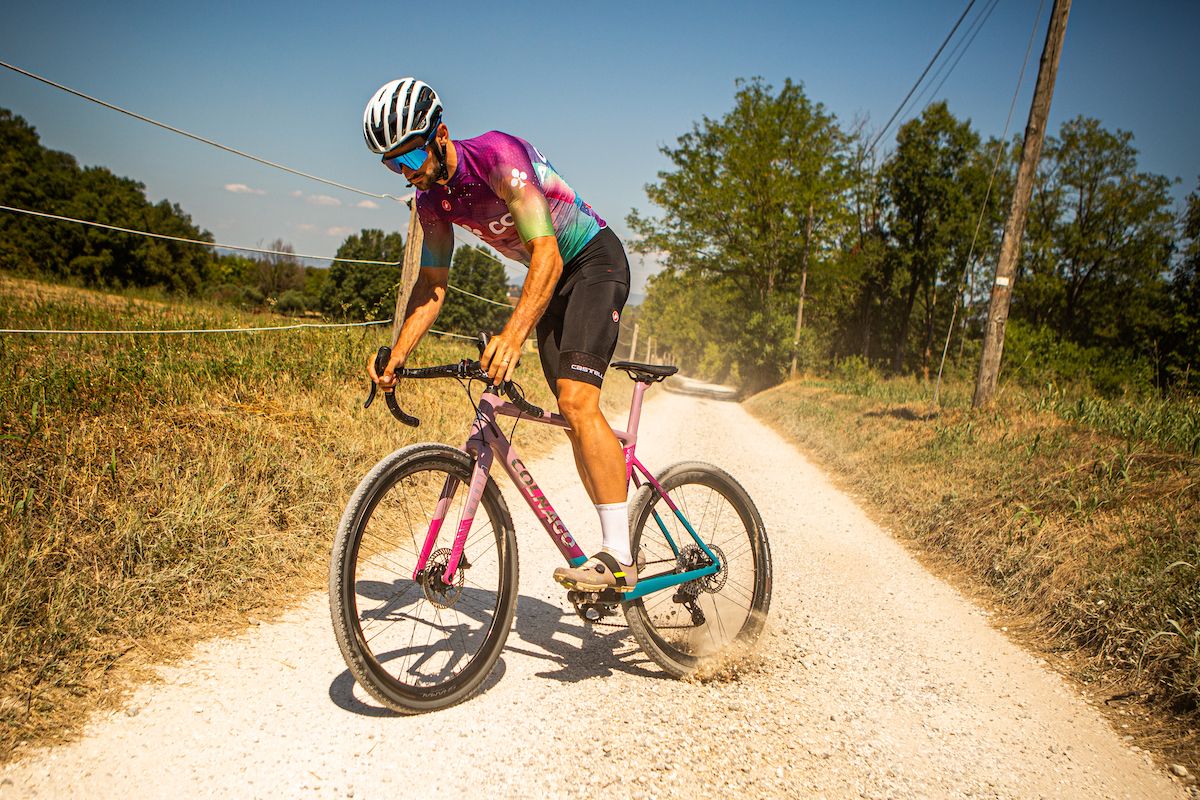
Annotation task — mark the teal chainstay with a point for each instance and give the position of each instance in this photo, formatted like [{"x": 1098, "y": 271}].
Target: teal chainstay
[{"x": 660, "y": 582}]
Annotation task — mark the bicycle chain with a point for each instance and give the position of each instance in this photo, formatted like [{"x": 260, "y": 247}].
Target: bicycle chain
[{"x": 599, "y": 624}]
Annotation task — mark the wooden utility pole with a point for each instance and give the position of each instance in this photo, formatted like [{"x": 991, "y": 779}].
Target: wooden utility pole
[
  {"x": 803, "y": 287},
  {"x": 633, "y": 344},
  {"x": 1014, "y": 229},
  {"x": 409, "y": 269}
]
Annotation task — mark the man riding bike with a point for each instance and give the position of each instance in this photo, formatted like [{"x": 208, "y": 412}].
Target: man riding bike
[{"x": 502, "y": 189}]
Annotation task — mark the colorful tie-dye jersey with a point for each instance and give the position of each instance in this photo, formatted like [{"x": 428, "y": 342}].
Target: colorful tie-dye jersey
[{"x": 506, "y": 193}]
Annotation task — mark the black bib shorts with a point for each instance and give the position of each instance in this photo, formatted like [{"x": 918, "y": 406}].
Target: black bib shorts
[{"x": 577, "y": 334}]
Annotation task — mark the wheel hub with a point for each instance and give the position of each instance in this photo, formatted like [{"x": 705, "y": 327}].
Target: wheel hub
[
  {"x": 437, "y": 591},
  {"x": 692, "y": 557}
]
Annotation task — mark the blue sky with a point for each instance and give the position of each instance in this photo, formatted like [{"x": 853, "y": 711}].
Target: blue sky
[{"x": 597, "y": 87}]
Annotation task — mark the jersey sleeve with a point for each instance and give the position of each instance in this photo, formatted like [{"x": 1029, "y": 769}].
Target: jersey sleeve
[
  {"x": 437, "y": 238},
  {"x": 512, "y": 177}
]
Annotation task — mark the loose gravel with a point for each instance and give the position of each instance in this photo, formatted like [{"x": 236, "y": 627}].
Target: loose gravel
[{"x": 873, "y": 680}]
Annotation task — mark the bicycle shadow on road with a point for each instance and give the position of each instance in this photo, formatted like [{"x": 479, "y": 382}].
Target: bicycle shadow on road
[
  {"x": 577, "y": 651},
  {"x": 398, "y": 602},
  {"x": 341, "y": 692}
]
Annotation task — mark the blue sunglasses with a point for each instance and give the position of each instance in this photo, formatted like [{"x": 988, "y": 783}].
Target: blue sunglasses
[{"x": 413, "y": 159}]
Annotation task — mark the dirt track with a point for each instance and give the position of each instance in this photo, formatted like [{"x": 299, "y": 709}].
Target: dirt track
[{"x": 875, "y": 680}]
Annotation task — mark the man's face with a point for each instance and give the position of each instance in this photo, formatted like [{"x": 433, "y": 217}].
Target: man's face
[{"x": 422, "y": 177}]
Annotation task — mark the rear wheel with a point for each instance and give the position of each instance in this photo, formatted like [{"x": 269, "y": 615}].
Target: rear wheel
[
  {"x": 681, "y": 627},
  {"x": 426, "y": 643}
]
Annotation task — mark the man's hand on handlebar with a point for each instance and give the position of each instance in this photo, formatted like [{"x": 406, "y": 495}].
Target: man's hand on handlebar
[
  {"x": 388, "y": 380},
  {"x": 500, "y": 358}
]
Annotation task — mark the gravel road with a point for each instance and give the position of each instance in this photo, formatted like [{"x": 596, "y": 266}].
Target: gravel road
[{"x": 874, "y": 680}]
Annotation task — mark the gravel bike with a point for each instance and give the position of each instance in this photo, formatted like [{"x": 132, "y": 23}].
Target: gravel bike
[{"x": 423, "y": 576}]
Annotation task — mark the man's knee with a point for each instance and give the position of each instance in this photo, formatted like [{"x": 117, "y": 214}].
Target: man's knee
[{"x": 577, "y": 400}]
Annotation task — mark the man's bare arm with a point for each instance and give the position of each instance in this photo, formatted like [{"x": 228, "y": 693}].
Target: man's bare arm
[
  {"x": 424, "y": 305},
  {"x": 499, "y": 360}
]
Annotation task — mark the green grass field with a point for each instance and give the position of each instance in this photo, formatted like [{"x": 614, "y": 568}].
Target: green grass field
[
  {"x": 1076, "y": 516},
  {"x": 155, "y": 489}
]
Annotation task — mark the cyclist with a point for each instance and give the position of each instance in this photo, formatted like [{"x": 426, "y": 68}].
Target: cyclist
[{"x": 502, "y": 189}]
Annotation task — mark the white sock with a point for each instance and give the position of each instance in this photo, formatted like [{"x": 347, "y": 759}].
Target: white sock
[{"x": 614, "y": 530}]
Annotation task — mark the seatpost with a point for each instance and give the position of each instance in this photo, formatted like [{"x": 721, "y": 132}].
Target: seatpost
[{"x": 635, "y": 408}]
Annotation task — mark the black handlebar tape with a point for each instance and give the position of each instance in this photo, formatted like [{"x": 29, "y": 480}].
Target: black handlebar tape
[
  {"x": 381, "y": 361},
  {"x": 471, "y": 370},
  {"x": 397, "y": 412},
  {"x": 520, "y": 402},
  {"x": 382, "y": 357}
]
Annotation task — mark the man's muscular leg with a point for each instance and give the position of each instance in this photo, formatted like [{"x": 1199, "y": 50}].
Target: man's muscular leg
[
  {"x": 598, "y": 455},
  {"x": 601, "y": 464}
]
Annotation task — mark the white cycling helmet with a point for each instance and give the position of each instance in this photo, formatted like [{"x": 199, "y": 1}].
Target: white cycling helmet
[{"x": 402, "y": 110}]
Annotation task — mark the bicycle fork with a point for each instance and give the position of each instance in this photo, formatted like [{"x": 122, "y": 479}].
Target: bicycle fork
[{"x": 479, "y": 479}]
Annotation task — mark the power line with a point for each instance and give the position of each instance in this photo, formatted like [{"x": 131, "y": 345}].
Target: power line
[
  {"x": 968, "y": 38},
  {"x": 196, "y": 137},
  {"x": 192, "y": 241},
  {"x": 217, "y": 245},
  {"x": 983, "y": 210},
  {"x": 228, "y": 149},
  {"x": 904, "y": 102},
  {"x": 479, "y": 297}
]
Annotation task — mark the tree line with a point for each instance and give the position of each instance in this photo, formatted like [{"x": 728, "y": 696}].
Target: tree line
[
  {"x": 897, "y": 253},
  {"x": 36, "y": 178}
]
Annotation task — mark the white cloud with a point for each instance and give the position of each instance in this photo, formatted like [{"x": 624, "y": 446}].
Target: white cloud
[
  {"x": 323, "y": 200},
  {"x": 304, "y": 226},
  {"x": 338, "y": 231},
  {"x": 297, "y": 193},
  {"x": 241, "y": 188},
  {"x": 366, "y": 204}
]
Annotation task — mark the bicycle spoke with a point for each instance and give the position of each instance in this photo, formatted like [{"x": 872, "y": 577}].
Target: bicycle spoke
[
  {"x": 400, "y": 568},
  {"x": 717, "y": 511}
]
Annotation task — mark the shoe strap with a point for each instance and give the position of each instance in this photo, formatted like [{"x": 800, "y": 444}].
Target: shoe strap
[{"x": 613, "y": 565}]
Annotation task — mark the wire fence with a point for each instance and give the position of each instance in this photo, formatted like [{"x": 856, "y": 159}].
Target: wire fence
[
  {"x": 194, "y": 136},
  {"x": 237, "y": 248}
]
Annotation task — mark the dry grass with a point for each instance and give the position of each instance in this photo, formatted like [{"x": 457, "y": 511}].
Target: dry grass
[
  {"x": 156, "y": 490},
  {"x": 1087, "y": 541}
]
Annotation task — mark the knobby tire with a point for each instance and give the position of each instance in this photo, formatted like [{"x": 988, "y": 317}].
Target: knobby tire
[{"x": 375, "y": 603}]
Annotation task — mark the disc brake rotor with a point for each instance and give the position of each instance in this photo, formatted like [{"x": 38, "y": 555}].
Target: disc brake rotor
[
  {"x": 692, "y": 557},
  {"x": 437, "y": 591}
]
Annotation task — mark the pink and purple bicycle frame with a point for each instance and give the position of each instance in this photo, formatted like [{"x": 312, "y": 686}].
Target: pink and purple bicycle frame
[{"x": 487, "y": 442}]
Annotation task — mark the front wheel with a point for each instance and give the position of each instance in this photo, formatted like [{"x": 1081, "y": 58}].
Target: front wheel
[
  {"x": 681, "y": 627},
  {"x": 424, "y": 643}
]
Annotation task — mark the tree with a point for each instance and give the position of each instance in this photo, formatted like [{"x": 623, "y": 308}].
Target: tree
[
  {"x": 935, "y": 184},
  {"x": 477, "y": 271},
  {"x": 686, "y": 313},
  {"x": 1182, "y": 357},
  {"x": 364, "y": 291},
  {"x": 280, "y": 271},
  {"x": 734, "y": 213},
  {"x": 1100, "y": 242},
  {"x": 38, "y": 179}
]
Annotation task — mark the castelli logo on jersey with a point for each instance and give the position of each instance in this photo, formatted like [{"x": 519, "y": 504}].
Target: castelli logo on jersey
[
  {"x": 616, "y": 316},
  {"x": 445, "y": 205}
]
